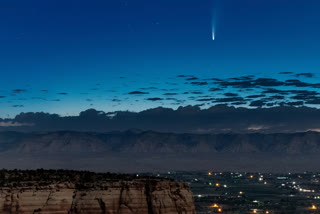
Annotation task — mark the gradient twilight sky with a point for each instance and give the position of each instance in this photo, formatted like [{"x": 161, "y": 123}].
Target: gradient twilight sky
[{"x": 99, "y": 51}]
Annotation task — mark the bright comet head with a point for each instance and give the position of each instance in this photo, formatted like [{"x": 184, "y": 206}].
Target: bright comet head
[{"x": 212, "y": 35}]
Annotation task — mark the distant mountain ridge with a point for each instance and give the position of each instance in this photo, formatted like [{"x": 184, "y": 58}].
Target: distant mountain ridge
[
  {"x": 135, "y": 141},
  {"x": 139, "y": 151}
]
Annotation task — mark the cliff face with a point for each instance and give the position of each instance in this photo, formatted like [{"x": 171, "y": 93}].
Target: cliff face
[{"x": 128, "y": 197}]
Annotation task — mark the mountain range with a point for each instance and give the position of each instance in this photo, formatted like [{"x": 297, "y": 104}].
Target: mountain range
[{"x": 149, "y": 150}]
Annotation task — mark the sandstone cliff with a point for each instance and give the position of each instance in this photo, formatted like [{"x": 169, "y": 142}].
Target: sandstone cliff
[{"x": 139, "y": 196}]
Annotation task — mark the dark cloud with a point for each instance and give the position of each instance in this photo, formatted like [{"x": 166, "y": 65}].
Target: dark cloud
[
  {"x": 183, "y": 75},
  {"x": 248, "y": 87},
  {"x": 170, "y": 83},
  {"x": 154, "y": 99},
  {"x": 296, "y": 83},
  {"x": 250, "y": 83},
  {"x": 230, "y": 95},
  {"x": 268, "y": 82},
  {"x": 258, "y": 103},
  {"x": 215, "y": 89},
  {"x": 285, "y": 72},
  {"x": 256, "y": 96},
  {"x": 138, "y": 92},
  {"x": 304, "y": 94},
  {"x": 217, "y": 119},
  {"x": 239, "y": 103},
  {"x": 297, "y": 103},
  {"x": 271, "y": 104},
  {"x": 2, "y": 97},
  {"x": 277, "y": 97},
  {"x": 228, "y": 100},
  {"x": 170, "y": 94},
  {"x": 313, "y": 101},
  {"x": 19, "y": 90},
  {"x": 194, "y": 92},
  {"x": 199, "y": 83},
  {"x": 149, "y": 88},
  {"x": 214, "y": 79},
  {"x": 18, "y": 106},
  {"x": 205, "y": 99},
  {"x": 275, "y": 91},
  {"x": 309, "y": 75},
  {"x": 192, "y": 78},
  {"x": 237, "y": 84},
  {"x": 249, "y": 77}
]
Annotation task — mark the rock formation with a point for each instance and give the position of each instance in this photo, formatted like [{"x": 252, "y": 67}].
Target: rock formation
[{"x": 140, "y": 196}]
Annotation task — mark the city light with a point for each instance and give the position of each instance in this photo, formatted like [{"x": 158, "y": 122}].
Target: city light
[
  {"x": 313, "y": 207},
  {"x": 215, "y": 205}
]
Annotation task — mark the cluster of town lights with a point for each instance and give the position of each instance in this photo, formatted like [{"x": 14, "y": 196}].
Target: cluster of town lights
[
  {"x": 256, "y": 211},
  {"x": 261, "y": 178},
  {"x": 217, "y": 207}
]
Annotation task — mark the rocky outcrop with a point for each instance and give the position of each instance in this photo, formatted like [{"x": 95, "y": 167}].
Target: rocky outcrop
[{"x": 122, "y": 197}]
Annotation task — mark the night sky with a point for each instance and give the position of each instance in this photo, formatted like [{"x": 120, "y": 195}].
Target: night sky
[{"x": 67, "y": 56}]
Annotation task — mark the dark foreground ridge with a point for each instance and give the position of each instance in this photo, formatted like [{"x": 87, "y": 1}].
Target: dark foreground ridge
[
  {"x": 67, "y": 191},
  {"x": 42, "y": 177}
]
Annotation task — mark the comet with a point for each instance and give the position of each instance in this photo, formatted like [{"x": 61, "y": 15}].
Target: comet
[
  {"x": 213, "y": 29},
  {"x": 214, "y": 17}
]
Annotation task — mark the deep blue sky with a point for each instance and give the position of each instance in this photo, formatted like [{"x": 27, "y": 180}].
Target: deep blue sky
[{"x": 71, "y": 46}]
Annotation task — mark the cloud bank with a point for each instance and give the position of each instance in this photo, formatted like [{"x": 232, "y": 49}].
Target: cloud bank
[{"x": 188, "y": 119}]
